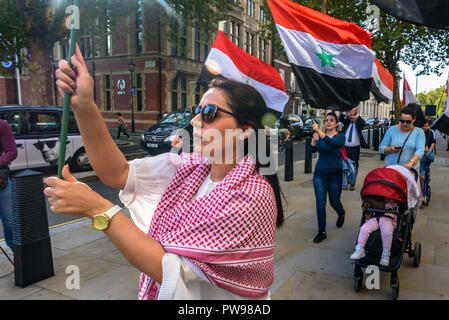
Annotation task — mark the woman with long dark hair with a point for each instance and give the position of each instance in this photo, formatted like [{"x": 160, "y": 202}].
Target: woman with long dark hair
[
  {"x": 327, "y": 178},
  {"x": 204, "y": 228}
]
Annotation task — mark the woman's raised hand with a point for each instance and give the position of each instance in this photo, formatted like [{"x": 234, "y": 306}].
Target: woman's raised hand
[
  {"x": 315, "y": 126},
  {"x": 73, "y": 198},
  {"x": 77, "y": 81}
]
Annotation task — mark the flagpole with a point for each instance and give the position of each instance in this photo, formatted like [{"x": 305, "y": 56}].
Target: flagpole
[
  {"x": 191, "y": 94},
  {"x": 65, "y": 110}
]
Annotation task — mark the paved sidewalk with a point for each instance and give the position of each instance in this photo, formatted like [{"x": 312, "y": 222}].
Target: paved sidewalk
[{"x": 303, "y": 270}]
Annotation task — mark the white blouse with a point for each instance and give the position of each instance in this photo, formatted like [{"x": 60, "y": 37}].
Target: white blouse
[{"x": 148, "y": 178}]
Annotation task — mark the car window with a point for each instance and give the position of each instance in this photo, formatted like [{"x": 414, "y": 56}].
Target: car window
[
  {"x": 73, "y": 127},
  {"x": 44, "y": 122},
  {"x": 16, "y": 119},
  {"x": 293, "y": 118},
  {"x": 170, "y": 119},
  {"x": 179, "y": 118}
]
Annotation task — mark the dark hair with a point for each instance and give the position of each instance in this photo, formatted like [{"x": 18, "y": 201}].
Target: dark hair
[
  {"x": 333, "y": 115},
  {"x": 119, "y": 114},
  {"x": 409, "y": 110},
  {"x": 249, "y": 108}
]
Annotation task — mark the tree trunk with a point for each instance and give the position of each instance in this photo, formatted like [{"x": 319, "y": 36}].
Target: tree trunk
[
  {"x": 40, "y": 73},
  {"x": 324, "y": 6}
]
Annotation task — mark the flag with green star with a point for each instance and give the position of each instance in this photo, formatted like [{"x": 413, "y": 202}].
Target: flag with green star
[
  {"x": 331, "y": 59},
  {"x": 382, "y": 86}
]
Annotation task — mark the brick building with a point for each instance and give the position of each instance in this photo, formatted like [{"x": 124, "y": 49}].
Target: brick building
[{"x": 165, "y": 72}]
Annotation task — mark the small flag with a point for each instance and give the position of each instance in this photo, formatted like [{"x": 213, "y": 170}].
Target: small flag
[
  {"x": 332, "y": 59},
  {"x": 442, "y": 123},
  {"x": 382, "y": 85},
  {"x": 227, "y": 60},
  {"x": 407, "y": 95}
]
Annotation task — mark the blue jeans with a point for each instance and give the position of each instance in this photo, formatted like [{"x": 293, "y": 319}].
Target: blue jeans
[
  {"x": 425, "y": 162},
  {"x": 6, "y": 213},
  {"x": 323, "y": 184}
]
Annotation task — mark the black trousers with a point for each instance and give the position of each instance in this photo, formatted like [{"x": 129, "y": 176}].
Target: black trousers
[{"x": 353, "y": 153}]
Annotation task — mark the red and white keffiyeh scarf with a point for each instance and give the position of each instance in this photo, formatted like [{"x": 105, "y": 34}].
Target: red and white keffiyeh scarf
[{"x": 228, "y": 234}]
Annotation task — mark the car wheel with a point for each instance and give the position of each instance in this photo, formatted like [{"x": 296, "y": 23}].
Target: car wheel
[{"x": 79, "y": 161}]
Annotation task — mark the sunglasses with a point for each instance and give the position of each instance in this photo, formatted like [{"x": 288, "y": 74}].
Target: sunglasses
[
  {"x": 406, "y": 121},
  {"x": 209, "y": 112},
  {"x": 51, "y": 144}
]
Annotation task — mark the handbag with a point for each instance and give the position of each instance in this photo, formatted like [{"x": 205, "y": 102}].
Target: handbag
[
  {"x": 403, "y": 145},
  {"x": 4, "y": 175}
]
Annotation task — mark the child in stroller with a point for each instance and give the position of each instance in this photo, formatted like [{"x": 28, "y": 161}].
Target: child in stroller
[{"x": 387, "y": 222}]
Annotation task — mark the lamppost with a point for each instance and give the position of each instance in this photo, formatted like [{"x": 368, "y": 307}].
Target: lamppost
[{"x": 131, "y": 65}]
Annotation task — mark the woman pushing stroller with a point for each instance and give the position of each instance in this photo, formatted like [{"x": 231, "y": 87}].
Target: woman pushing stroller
[{"x": 403, "y": 145}]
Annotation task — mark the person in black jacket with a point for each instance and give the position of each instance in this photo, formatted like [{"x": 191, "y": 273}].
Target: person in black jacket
[{"x": 353, "y": 125}]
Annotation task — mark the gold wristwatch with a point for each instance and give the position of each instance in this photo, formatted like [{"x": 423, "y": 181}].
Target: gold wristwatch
[{"x": 101, "y": 221}]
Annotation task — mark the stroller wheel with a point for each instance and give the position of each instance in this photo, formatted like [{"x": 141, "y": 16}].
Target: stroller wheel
[
  {"x": 395, "y": 290},
  {"x": 417, "y": 254},
  {"x": 358, "y": 284}
]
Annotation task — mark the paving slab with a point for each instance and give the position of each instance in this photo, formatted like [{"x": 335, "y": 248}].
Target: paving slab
[{"x": 316, "y": 286}]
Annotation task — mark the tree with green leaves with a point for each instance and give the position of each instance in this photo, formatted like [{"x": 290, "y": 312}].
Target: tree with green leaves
[
  {"x": 38, "y": 24},
  {"x": 393, "y": 40},
  {"x": 435, "y": 97}
]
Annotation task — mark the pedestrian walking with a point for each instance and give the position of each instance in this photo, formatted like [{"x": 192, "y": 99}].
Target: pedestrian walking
[
  {"x": 428, "y": 156},
  {"x": 8, "y": 152},
  {"x": 353, "y": 125},
  {"x": 404, "y": 144},
  {"x": 122, "y": 127},
  {"x": 327, "y": 178},
  {"x": 203, "y": 229}
]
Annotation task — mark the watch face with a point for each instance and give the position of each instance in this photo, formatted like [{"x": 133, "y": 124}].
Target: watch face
[{"x": 100, "y": 222}]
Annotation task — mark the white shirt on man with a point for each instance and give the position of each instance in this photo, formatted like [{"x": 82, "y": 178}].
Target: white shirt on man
[{"x": 355, "y": 142}]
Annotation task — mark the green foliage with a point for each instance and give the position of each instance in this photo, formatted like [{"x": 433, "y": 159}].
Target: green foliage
[{"x": 436, "y": 97}]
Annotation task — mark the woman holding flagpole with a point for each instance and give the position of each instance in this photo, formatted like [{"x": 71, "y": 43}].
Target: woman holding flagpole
[
  {"x": 327, "y": 178},
  {"x": 204, "y": 229}
]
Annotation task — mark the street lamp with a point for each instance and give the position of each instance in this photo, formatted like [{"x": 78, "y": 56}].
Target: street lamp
[{"x": 131, "y": 66}]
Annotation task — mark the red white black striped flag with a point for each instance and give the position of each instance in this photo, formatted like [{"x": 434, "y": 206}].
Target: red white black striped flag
[
  {"x": 332, "y": 59},
  {"x": 228, "y": 60},
  {"x": 382, "y": 86},
  {"x": 407, "y": 95}
]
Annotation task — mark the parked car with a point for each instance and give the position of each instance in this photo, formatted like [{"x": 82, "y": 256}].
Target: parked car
[
  {"x": 296, "y": 123},
  {"x": 37, "y": 131},
  {"x": 157, "y": 139},
  {"x": 307, "y": 130}
]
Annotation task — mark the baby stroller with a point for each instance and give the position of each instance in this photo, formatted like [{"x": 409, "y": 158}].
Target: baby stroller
[{"x": 388, "y": 183}]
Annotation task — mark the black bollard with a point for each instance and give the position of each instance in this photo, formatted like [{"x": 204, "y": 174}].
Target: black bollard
[
  {"x": 288, "y": 176},
  {"x": 369, "y": 138},
  {"x": 308, "y": 156},
  {"x": 31, "y": 239},
  {"x": 376, "y": 139}
]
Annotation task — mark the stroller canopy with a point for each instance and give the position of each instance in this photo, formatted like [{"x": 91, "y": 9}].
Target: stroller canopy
[{"x": 385, "y": 182}]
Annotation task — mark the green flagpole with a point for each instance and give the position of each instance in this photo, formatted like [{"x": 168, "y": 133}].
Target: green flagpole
[
  {"x": 65, "y": 110},
  {"x": 190, "y": 95}
]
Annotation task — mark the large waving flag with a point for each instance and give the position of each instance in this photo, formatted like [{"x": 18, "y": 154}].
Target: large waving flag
[
  {"x": 407, "y": 95},
  {"x": 382, "y": 86},
  {"x": 431, "y": 13},
  {"x": 228, "y": 60},
  {"x": 332, "y": 59},
  {"x": 442, "y": 123}
]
